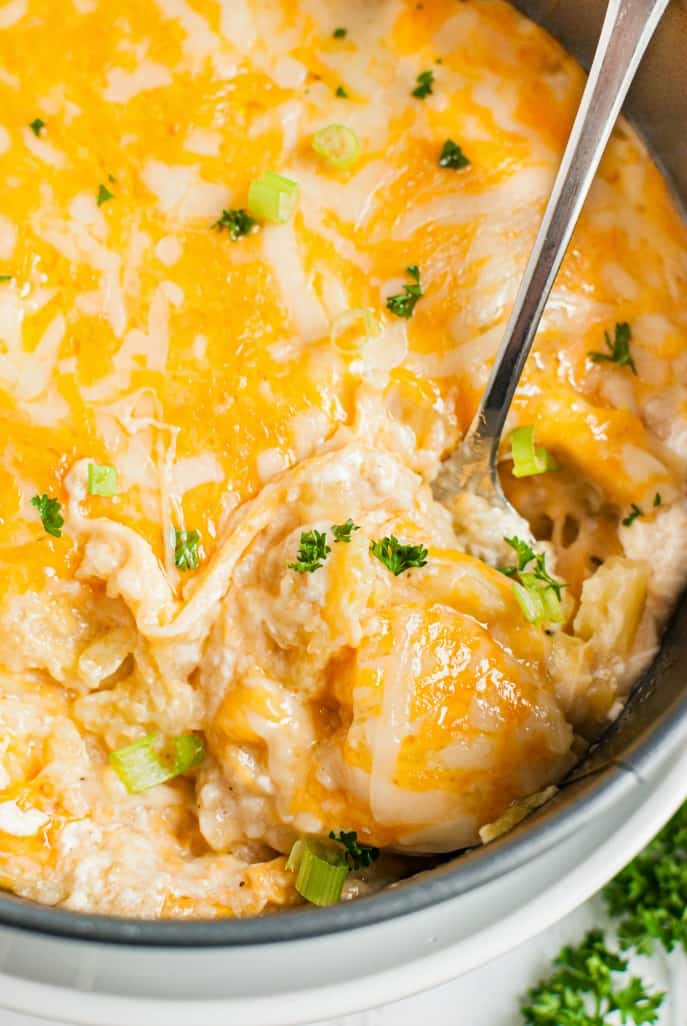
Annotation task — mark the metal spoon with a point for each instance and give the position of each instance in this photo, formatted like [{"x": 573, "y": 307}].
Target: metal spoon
[{"x": 627, "y": 29}]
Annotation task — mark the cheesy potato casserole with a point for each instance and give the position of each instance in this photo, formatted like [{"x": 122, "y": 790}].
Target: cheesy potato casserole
[{"x": 256, "y": 257}]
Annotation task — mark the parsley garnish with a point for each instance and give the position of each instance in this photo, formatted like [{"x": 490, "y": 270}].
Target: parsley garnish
[
  {"x": 5, "y": 277},
  {"x": 50, "y": 512},
  {"x": 343, "y": 532},
  {"x": 424, "y": 87},
  {"x": 104, "y": 195},
  {"x": 356, "y": 855},
  {"x": 186, "y": 553},
  {"x": 340, "y": 33},
  {"x": 587, "y": 989},
  {"x": 396, "y": 557},
  {"x": 452, "y": 156},
  {"x": 635, "y": 512},
  {"x": 526, "y": 555},
  {"x": 341, "y": 92},
  {"x": 403, "y": 304},
  {"x": 37, "y": 126},
  {"x": 618, "y": 348},
  {"x": 650, "y": 895},
  {"x": 237, "y": 223},
  {"x": 312, "y": 552},
  {"x": 657, "y": 499}
]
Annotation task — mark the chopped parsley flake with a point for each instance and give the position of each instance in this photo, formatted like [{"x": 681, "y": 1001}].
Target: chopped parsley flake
[
  {"x": 5, "y": 277},
  {"x": 452, "y": 156},
  {"x": 237, "y": 223},
  {"x": 403, "y": 304},
  {"x": 635, "y": 512},
  {"x": 397, "y": 557},
  {"x": 186, "y": 550},
  {"x": 424, "y": 87},
  {"x": 357, "y": 856},
  {"x": 37, "y": 126},
  {"x": 50, "y": 512},
  {"x": 657, "y": 499},
  {"x": 340, "y": 33},
  {"x": 312, "y": 552},
  {"x": 341, "y": 92},
  {"x": 618, "y": 348},
  {"x": 104, "y": 195},
  {"x": 343, "y": 532}
]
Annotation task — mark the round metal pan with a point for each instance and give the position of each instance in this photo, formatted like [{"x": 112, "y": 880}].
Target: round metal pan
[{"x": 654, "y": 721}]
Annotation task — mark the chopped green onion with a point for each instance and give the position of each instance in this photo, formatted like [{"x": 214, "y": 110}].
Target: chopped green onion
[
  {"x": 320, "y": 871},
  {"x": 337, "y": 144},
  {"x": 139, "y": 766},
  {"x": 354, "y": 329},
  {"x": 529, "y": 459},
  {"x": 273, "y": 197},
  {"x": 538, "y": 601},
  {"x": 102, "y": 479},
  {"x": 186, "y": 550}
]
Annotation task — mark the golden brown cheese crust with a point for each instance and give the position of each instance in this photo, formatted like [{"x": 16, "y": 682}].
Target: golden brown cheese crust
[{"x": 135, "y": 334}]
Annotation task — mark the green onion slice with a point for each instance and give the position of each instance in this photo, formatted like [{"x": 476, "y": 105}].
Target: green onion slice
[
  {"x": 353, "y": 329},
  {"x": 337, "y": 144},
  {"x": 140, "y": 766},
  {"x": 102, "y": 479},
  {"x": 529, "y": 459},
  {"x": 539, "y": 602},
  {"x": 320, "y": 871},
  {"x": 273, "y": 197}
]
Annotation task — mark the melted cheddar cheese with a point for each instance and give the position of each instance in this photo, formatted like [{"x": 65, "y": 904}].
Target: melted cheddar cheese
[{"x": 256, "y": 389}]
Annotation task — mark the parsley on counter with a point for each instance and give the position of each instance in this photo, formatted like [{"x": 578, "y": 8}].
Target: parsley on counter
[
  {"x": 104, "y": 195},
  {"x": 397, "y": 557},
  {"x": 618, "y": 348},
  {"x": 50, "y": 512},
  {"x": 37, "y": 126},
  {"x": 590, "y": 985},
  {"x": 425, "y": 85},
  {"x": 452, "y": 156},
  {"x": 343, "y": 532},
  {"x": 237, "y": 223},
  {"x": 312, "y": 552},
  {"x": 186, "y": 550},
  {"x": 357, "y": 856},
  {"x": 403, "y": 304},
  {"x": 650, "y": 895}
]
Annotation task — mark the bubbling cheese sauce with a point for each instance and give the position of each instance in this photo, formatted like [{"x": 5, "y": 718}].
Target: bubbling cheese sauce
[{"x": 229, "y": 441}]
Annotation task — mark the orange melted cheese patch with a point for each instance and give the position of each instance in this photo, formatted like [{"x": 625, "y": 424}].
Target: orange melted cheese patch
[{"x": 236, "y": 396}]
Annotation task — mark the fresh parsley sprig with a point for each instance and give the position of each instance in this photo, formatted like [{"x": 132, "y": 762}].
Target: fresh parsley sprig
[
  {"x": 356, "y": 855},
  {"x": 525, "y": 555},
  {"x": 403, "y": 303},
  {"x": 312, "y": 552},
  {"x": 50, "y": 512},
  {"x": 590, "y": 987},
  {"x": 618, "y": 348},
  {"x": 397, "y": 557},
  {"x": 650, "y": 895}
]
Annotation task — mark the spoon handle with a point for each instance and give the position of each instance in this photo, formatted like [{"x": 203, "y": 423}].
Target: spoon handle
[{"x": 627, "y": 29}]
